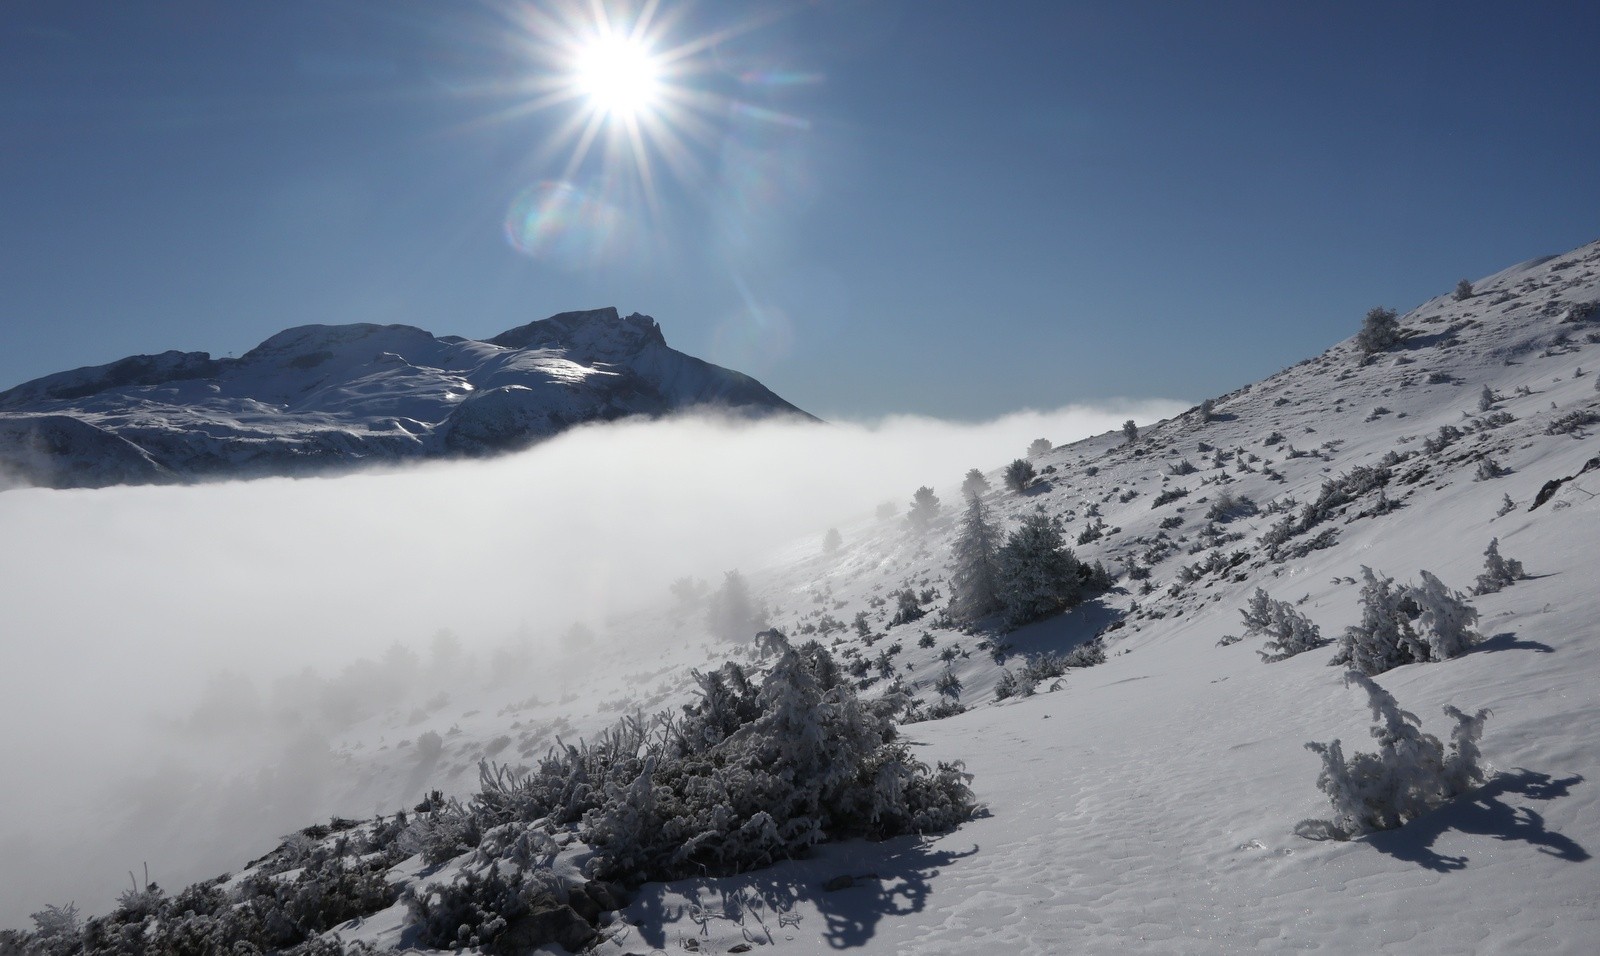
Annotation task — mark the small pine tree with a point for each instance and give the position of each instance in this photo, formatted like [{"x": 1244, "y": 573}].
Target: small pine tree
[
  {"x": 1498, "y": 572},
  {"x": 1506, "y": 506},
  {"x": 1463, "y": 291},
  {"x": 1039, "y": 446},
  {"x": 732, "y": 614},
  {"x": 924, "y": 509},
  {"x": 1208, "y": 409},
  {"x": 974, "y": 484},
  {"x": 1380, "y": 330},
  {"x": 1130, "y": 431},
  {"x": 832, "y": 541},
  {"x": 974, "y": 582},
  {"x": 1039, "y": 576},
  {"x": 1019, "y": 475}
]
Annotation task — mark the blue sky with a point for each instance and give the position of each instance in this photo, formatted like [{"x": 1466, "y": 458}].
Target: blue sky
[{"x": 941, "y": 207}]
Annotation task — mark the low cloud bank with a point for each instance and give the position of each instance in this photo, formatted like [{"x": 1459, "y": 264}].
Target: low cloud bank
[{"x": 127, "y": 612}]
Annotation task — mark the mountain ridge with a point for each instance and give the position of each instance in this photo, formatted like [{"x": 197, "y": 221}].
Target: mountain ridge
[{"x": 320, "y": 397}]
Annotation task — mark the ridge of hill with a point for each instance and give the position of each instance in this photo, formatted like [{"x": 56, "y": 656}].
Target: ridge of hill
[{"x": 325, "y": 397}]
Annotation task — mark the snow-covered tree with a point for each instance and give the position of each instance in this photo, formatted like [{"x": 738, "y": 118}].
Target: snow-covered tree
[
  {"x": 1463, "y": 291},
  {"x": 1130, "y": 431},
  {"x": 974, "y": 582},
  {"x": 974, "y": 484},
  {"x": 1290, "y": 631},
  {"x": 1444, "y": 620},
  {"x": 1486, "y": 399},
  {"x": 1039, "y": 446},
  {"x": 732, "y": 614},
  {"x": 1411, "y": 774},
  {"x": 1039, "y": 575},
  {"x": 1408, "y": 624},
  {"x": 1497, "y": 571},
  {"x": 1380, "y": 330},
  {"x": 832, "y": 541},
  {"x": 924, "y": 509},
  {"x": 1019, "y": 475}
]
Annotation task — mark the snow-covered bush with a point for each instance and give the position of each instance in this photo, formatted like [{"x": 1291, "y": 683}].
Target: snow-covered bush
[
  {"x": 1410, "y": 774},
  {"x": 1290, "y": 631},
  {"x": 1488, "y": 470},
  {"x": 1463, "y": 291},
  {"x": 1408, "y": 624},
  {"x": 1039, "y": 446},
  {"x": 1380, "y": 330},
  {"x": 1130, "y": 431},
  {"x": 1019, "y": 475},
  {"x": 907, "y": 608},
  {"x": 1497, "y": 571}
]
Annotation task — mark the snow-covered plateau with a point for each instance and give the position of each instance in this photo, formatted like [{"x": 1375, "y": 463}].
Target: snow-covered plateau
[{"x": 1139, "y": 775}]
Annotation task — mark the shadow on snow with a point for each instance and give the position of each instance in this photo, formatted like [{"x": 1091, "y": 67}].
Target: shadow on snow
[
  {"x": 870, "y": 882},
  {"x": 1483, "y": 813}
]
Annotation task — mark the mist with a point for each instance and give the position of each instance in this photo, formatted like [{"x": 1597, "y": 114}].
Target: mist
[{"x": 153, "y": 635}]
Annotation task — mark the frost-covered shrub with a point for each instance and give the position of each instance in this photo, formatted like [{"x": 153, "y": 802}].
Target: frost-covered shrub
[
  {"x": 1411, "y": 774},
  {"x": 1227, "y": 507},
  {"x": 1290, "y": 631},
  {"x": 1169, "y": 496},
  {"x": 443, "y": 834},
  {"x": 1408, "y": 624},
  {"x": 1130, "y": 431},
  {"x": 492, "y": 910},
  {"x": 1380, "y": 330},
  {"x": 1488, "y": 470},
  {"x": 1498, "y": 572},
  {"x": 1182, "y": 466},
  {"x": 1463, "y": 291},
  {"x": 907, "y": 609},
  {"x": 1019, "y": 475},
  {"x": 1486, "y": 399},
  {"x": 1039, "y": 446}
]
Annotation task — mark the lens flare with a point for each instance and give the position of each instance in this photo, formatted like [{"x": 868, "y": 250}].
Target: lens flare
[{"x": 560, "y": 223}]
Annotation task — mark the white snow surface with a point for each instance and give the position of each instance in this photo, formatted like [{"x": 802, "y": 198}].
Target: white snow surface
[{"x": 1149, "y": 804}]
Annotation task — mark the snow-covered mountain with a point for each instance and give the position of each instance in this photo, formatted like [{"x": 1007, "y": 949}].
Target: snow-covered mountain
[
  {"x": 1148, "y": 803},
  {"x": 334, "y": 396}
]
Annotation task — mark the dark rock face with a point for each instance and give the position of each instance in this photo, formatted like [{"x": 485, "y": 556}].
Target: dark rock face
[{"x": 319, "y": 398}]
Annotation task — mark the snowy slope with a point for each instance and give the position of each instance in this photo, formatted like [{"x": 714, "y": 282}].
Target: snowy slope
[
  {"x": 1149, "y": 804},
  {"x": 319, "y": 397}
]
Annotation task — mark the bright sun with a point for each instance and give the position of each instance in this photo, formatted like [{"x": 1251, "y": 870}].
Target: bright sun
[{"x": 619, "y": 75}]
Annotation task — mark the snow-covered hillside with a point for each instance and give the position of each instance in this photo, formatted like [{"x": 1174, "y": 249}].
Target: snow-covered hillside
[
  {"x": 320, "y": 397},
  {"x": 1151, "y": 802}
]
